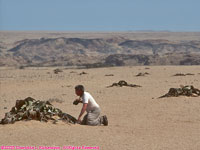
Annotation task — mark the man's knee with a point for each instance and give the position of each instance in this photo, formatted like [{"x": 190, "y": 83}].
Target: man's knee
[{"x": 92, "y": 123}]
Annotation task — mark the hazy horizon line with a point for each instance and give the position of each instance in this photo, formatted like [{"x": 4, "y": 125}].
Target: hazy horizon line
[{"x": 99, "y": 31}]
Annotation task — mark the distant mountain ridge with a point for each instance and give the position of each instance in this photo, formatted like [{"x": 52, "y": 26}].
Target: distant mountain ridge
[{"x": 100, "y": 52}]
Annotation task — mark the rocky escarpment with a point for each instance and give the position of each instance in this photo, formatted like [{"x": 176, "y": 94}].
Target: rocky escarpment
[{"x": 98, "y": 52}]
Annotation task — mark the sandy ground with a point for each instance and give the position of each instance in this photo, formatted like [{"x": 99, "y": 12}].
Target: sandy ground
[
  {"x": 14, "y": 36},
  {"x": 137, "y": 119}
]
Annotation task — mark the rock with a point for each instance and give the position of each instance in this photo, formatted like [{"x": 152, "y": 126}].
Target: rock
[
  {"x": 122, "y": 83},
  {"x": 56, "y": 71},
  {"x": 109, "y": 75},
  {"x": 181, "y": 74},
  {"x": 142, "y": 74},
  {"x": 82, "y": 73},
  {"x": 189, "y": 74}
]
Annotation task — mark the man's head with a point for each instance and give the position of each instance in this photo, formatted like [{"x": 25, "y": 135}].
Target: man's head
[{"x": 79, "y": 90}]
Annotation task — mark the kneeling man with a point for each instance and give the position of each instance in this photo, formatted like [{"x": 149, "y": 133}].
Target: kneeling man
[{"x": 91, "y": 107}]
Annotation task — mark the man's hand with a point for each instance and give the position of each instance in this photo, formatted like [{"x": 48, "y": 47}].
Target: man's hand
[
  {"x": 75, "y": 102},
  {"x": 79, "y": 120},
  {"x": 82, "y": 112}
]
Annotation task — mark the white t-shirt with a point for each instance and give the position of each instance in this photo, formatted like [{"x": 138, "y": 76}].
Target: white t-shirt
[{"x": 87, "y": 98}]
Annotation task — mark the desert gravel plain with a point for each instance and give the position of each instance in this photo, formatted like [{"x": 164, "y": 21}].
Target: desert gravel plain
[{"x": 138, "y": 120}]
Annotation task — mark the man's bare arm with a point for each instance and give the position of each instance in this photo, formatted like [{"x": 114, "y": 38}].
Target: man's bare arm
[{"x": 82, "y": 111}]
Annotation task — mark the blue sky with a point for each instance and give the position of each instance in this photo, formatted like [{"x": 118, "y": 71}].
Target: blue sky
[{"x": 100, "y": 15}]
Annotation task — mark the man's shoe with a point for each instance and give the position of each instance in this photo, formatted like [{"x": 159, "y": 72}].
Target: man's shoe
[{"x": 105, "y": 120}]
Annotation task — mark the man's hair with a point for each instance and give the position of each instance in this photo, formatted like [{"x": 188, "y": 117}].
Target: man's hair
[{"x": 79, "y": 87}]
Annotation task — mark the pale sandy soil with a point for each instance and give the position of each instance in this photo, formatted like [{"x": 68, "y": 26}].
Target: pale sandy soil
[
  {"x": 14, "y": 36},
  {"x": 137, "y": 119}
]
